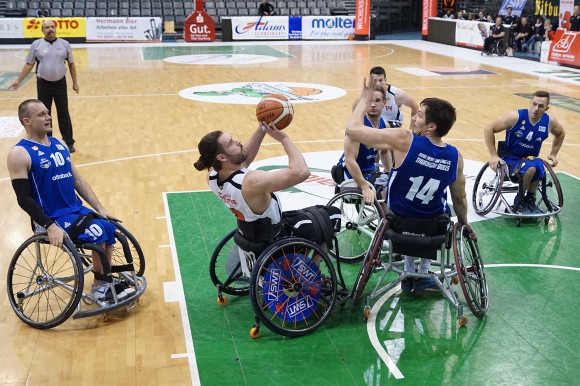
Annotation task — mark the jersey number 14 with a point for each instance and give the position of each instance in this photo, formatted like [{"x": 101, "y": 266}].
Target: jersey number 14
[{"x": 424, "y": 193}]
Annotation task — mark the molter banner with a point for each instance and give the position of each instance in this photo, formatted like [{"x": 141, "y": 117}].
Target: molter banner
[
  {"x": 429, "y": 10},
  {"x": 362, "y": 20},
  {"x": 199, "y": 26}
]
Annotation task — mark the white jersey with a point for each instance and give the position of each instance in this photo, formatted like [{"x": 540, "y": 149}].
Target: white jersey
[
  {"x": 230, "y": 192},
  {"x": 392, "y": 112}
]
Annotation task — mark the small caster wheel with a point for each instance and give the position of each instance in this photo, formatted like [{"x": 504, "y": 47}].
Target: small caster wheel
[
  {"x": 222, "y": 300},
  {"x": 106, "y": 317},
  {"x": 455, "y": 279},
  {"x": 518, "y": 222},
  {"x": 254, "y": 332},
  {"x": 546, "y": 220},
  {"x": 367, "y": 312},
  {"x": 463, "y": 320}
]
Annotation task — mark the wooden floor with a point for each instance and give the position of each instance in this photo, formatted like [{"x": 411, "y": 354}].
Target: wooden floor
[{"x": 136, "y": 139}]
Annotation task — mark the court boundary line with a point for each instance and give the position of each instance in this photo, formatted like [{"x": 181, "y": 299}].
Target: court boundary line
[{"x": 190, "y": 350}]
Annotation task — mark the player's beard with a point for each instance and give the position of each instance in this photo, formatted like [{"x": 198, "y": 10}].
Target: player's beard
[{"x": 239, "y": 159}]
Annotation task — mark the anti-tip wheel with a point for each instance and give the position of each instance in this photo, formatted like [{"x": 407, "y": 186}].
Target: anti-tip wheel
[
  {"x": 455, "y": 280},
  {"x": 222, "y": 300},
  {"x": 463, "y": 320},
  {"x": 367, "y": 312},
  {"x": 254, "y": 333}
]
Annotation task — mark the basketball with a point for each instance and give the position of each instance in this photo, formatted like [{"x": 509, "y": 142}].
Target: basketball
[{"x": 275, "y": 108}]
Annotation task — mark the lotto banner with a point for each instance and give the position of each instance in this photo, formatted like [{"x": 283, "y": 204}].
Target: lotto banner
[
  {"x": 66, "y": 27},
  {"x": 429, "y": 10},
  {"x": 566, "y": 48},
  {"x": 362, "y": 20}
]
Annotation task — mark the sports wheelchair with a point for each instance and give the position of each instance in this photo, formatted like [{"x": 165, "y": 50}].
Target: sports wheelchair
[
  {"x": 359, "y": 220},
  {"x": 491, "y": 187},
  {"x": 46, "y": 283},
  {"x": 292, "y": 284},
  {"x": 498, "y": 46},
  {"x": 426, "y": 238}
]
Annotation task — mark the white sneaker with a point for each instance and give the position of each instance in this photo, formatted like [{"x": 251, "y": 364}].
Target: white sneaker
[{"x": 123, "y": 289}]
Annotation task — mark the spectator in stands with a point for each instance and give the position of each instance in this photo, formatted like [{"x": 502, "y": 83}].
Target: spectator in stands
[
  {"x": 448, "y": 15},
  {"x": 266, "y": 9},
  {"x": 575, "y": 19},
  {"x": 460, "y": 16},
  {"x": 42, "y": 11},
  {"x": 523, "y": 33},
  {"x": 509, "y": 18},
  {"x": 481, "y": 16},
  {"x": 470, "y": 17},
  {"x": 549, "y": 29},
  {"x": 489, "y": 19},
  {"x": 497, "y": 32},
  {"x": 538, "y": 36}
]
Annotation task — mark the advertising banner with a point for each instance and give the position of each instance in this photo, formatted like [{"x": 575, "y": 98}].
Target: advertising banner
[
  {"x": 429, "y": 10},
  {"x": 548, "y": 9},
  {"x": 66, "y": 27},
  {"x": 120, "y": 29},
  {"x": 471, "y": 33},
  {"x": 362, "y": 28},
  {"x": 328, "y": 27},
  {"x": 199, "y": 27},
  {"x": 260, "y": 28},
  {"x": 566, "y": 10},
  {"x": 449, "y": 5},
  {"x": 565, "y": 48},
  {"x": 517, "y": 7},
  {"x": 11, "y": 28}
]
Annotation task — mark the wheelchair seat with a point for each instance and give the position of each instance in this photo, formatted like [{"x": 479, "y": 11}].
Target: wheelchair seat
[{"x": 417, "y": 237}]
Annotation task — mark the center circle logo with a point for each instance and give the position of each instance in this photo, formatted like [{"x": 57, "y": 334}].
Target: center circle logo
[{"x": 250, "y": 93}]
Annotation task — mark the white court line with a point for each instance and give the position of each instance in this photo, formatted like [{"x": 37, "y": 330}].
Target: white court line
[
  {"x": 178, "y": 292},
  {"x": 165, "y": 246},
  {"x": 160, "y": 217},
  {"x": 175, "y": 356},
  {"x": 372, "y": 331},
  {"x": 533, "y": 266}
]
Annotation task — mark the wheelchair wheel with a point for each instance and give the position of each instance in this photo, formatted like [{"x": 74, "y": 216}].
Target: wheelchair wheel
[
  {"x": 487, "y": 189},
  {"x": 225, "y": 268},
  {"x": 552, "y": 198},
  {"x": 358, "y": 224},
  {"x": 118, "y": 256},
  {"x": 470, "y": 270},
  {"x": 501, "y": 47},
  {"x": 369, "y": 264},
  {"x": 293, "y": 287},
  {"x": 45, "y": 283}
]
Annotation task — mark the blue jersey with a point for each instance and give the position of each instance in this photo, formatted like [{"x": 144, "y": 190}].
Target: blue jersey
[
  {"x": 418, "y": 187},
  {"x": 524, "y": 139},
  {"x": 51, "y": 178},
  {"x": 366, "y": 155}
]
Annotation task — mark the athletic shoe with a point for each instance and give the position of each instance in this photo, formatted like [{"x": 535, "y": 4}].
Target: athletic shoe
[
  {"x": 425, "y": 285},
  {"x": 71, "y": 148},
  {"x": 123, "y": 289},
  {"x": 531, "y": 204},
  {"x": 407, "y": 285},
  {"x": 522, "y": 205},
  {"x": 102, "y": 293}
]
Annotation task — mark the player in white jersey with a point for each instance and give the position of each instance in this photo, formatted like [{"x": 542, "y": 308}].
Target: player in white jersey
[{"x": 396, "y": 98}]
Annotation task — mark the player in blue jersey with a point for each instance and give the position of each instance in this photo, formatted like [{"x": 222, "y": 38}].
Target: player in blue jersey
[
  {"x": 424, "y": 167},
  {"x": 526, "y": 130},
  {"x": 360, "y": 161},
  {"x": 45, "y": 180}
]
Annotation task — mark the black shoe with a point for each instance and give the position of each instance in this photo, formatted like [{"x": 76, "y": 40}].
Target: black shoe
[
  {"x": 71, "y": 148},
  {"x": 531, "y": 204}
]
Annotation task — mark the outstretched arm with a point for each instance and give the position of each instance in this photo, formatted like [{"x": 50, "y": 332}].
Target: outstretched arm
[
  {"x": 558, "y": 132},
  {"x": 350, "y": 153},
  {"x": 458, "y": 195},
  {"x": 25, "y": 71},
  {"x": 253, "y": 144},
  {"x": 405, "y": 99}
]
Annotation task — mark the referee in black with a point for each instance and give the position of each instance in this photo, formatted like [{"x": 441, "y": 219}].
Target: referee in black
[{"x": 49, "y": 54}]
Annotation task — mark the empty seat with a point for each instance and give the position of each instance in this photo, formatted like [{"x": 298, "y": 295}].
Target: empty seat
[
  {"x": 90, "y": 12},
  {"x": 135, "y": 12},
  {"x": 79, "y": 12},
  {"x": 31, "y": 13},
  {"x": 55, "y": 12},
  {"x": 124, "y": 12},
  {"x": 34, "y": 5},
  {"x": 67, "y": 12},
  {"x": 145, "y": 5},
  {"x": 55, "y": 5},
  {"x": 113, "y": 12},
  {"x": 67, "y": 5},
  {"x": 284, "y": 12},
  {"x": 146, "y": 12},
  {"x": 102, "y": 5},
  {"x": 90, "y": 5}
]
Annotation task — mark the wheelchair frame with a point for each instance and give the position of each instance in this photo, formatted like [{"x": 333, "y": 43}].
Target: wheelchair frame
[
  {"x": 45, "y": 284},
  {"x": 466, "y": 268},
  {"x": 498, "y": 47},
  {"x": 357, "y": 226},
  {"x": 490, "y": 187}
]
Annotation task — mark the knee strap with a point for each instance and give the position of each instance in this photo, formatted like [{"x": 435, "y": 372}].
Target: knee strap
[{"x": 79, "y": 225}]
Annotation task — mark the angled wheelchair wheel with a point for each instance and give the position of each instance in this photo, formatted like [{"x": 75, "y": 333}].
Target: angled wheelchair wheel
[
  {"x": 119, "y": 255},
  {"x": 358, "y": 224},
  {"x": 368, "y": 266},
  {"x": 487, "y": 189},
  {"x": 293, "y": 287},
  {"x": 501, "y": 47},
  {"x": 552, "y": 196},
  {"x": 45, "y": 283},
  {"x": 225, "y": 268},
  {"x": 470, "y": 270}
]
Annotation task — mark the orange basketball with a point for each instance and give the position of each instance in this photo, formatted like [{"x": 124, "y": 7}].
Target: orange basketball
[{"x": 275, "y": 108}]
